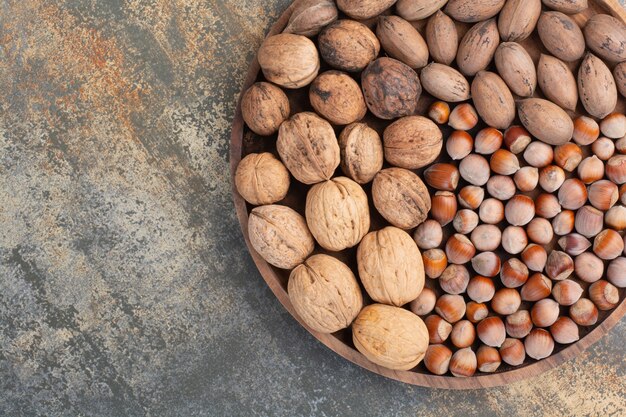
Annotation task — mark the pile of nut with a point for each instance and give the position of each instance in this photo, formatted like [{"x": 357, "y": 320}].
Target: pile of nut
[{"x": 516, "y": 216}]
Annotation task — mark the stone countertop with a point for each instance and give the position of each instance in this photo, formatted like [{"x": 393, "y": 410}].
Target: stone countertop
[{"x": 125, "y": 285}]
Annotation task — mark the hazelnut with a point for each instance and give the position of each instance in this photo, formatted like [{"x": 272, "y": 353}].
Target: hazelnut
[
  {"x": 551, "y": 178},
  {"x": 475, "y": 312},
  {"x": 390, "y": 266},
  {"x": 588, "y": 267},
  {"x": 438, "y": 329},
  {"x": 437, "y": 359},
  {"x": 604, "y": 295},
  {"x": 308, "y": 147},
  {"x": 264, "y": 107},
  {"x": 501, "y": 187},
  {"x": 435, "y": 262},
  {"x": 463, "y": 363},
  {"x": 514, "y": 239},
  {"x": 463, "y": 334},
  {"x": 475, "y": 169},
  {"x": 471, "y": 197},
  {"x": 390, "y": 336},
  {"x": 486, "y": 237},
  {"x": 564, "y": 331},
  {"x": 487, "y": 264},
  {"x": 443, "y": 207},
  {"x": 428, "y": 235},
  {"x": 519, "y": 324},
  {"x": 454, "y": 279},
  {"x": 539, "y": 231},
  {"x": 591, "y": 169},
  {"x": 559, "y": 266},
  {"x": 459, "y": 249},
  {"x": 337, "y": 97},
  {"x": 491, "y": 211},
  {"x": 481, "y": 289},
  {"x": 506, "y": 301},
  {"x": 586, "y": 130},
  {"x": 325, "y": 293},
  {"x": 459, "y": 144},
  {"x": 280, "y": 235},
  {"x": 536, "y": 288},
  {"x": 289, "y": 60},
  {"x": 574, "y": 244},
  {"x": 491, "y": 331},
  {"x": 512, "y": 352},
  {"x": 584, "y": 312},
  {"x": 539, "y": 344},
  {"x": 519, "y": 210},
  {"x": 615, "y": 218},
  {"x": 568, "y": 156},
  {"x": 573, "y": 194},
  {"x": 608, "y": 244},
  {"x": 589, "y": 221},
  {"x": 516, "y": 139},
  {"x": 412, "y": 142},
  {"x": 439, "y": 112},
  {"x": 504, "y": 162},
  {"x": 465, "y": 221},
  {"x": 545, "y": 312},
  {"x": 425, "y": 303},
  {"x": 361, "y": 152},
  {"x": 563, "y": 223},
  {"x": 262, "y": 179},
  {"x": 451, "y": 307},
  {"x": 538, "y": 154},
  {"x": 488, "y": 359},
  {"x": 527, "y": 178},
  {"x": 547, "y": 205},
  {"x": 535, "y": 257},
  {"x": 391, "y": 88},
  {"x": 463, "y": 117},
  {"x": 616, "y": 272},
  {"x": 514, "y": 273},
  {"x": 488, "y": 141},
  {"x": 442, "y": 176},
  {"x": 603, "y": 148}
]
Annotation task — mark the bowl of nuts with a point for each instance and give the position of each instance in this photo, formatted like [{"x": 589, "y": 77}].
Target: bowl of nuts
[{"x": 436, "y": 190}]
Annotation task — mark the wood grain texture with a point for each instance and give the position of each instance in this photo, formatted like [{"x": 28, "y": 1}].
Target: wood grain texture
[{"x": 242, "y": 141}]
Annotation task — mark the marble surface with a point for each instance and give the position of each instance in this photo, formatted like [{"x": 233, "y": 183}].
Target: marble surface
[{"x": 125, "y": 285}]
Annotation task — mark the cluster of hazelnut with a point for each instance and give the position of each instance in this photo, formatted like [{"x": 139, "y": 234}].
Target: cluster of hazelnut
[{"x": 519, "y": 226}]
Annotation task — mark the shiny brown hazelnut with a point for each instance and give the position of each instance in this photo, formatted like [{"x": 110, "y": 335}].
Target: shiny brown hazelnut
[
  {"x": 514, "y": 273},
  {"x": 535, "y": 257},
  {"x": 428, "y": 235},
  {"x": 513, "y": 352},
  {"x": 514, "y": 239},
  {"x": 454, "y": 279},
  {"x": 450, "y": 307},
  {"x": 435, "y": 262},
  {"x": 519, "y": 324},
  {"x": 563, "y": 223},
  {"x": 481, "y": 289},
  {"x": 567, "y": 292},
  {"x": 604, "y": 295},
  {"x": 584, "y": 312},
  {"x": 588, "y": 267},
  {"x": 536, "y": 288},
  {"x": 488, "y": 359},
  {"x": 539, "y": 344},
  {"x": 506, "y": 301},
  {"x": 491, "y": 331},
  {"x": 565, "y": 331},
  {"x": 545, "y": 312}
]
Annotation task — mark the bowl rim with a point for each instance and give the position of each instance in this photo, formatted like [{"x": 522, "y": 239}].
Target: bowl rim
[{"x": 351, "y": 354}]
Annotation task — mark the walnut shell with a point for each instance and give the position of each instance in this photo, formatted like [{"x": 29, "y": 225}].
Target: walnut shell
[
  {"x": 308, "y": 147},
  {"x": 361, "y": 152},
  {"x": 445, "y": 83},
  {"x": 619, "y": 73},
  {"x": 606, "y": 36},
  {"x": 596, "y": 87},
  {"x": 516, "y": 68},
  {"x": 261, "y": 179},
  {"x": 418, "y": 9},
  {"x": 477, "y": 47},
  {"x": 442, "y": 38},
  {"x": 337, "y": 213},
  {"x": 472, "y": 11},
  {"x": 337, "y": 97},
  {"x": 493, "y": 100},
  {"x": 310, "y": 16},
  {"x": 546, "y": 121},
  {"x": 325, "y": 293},
  {"x": 391, "y": 88},
  {"x": 390, "y": 266},
  {"x": 557, "y": 82},
  {"x": 518, "y": 19},
  {"x": 348, "y": 45},
  {"x": 561, "y": 36},
  {"x": 280, "y": 235},
  {"x": 364, "y": 9},
  {"x": 264, "y": 107},
  {"x": 390, "y": 336},
  {"x": 401, "y": 197},
  {"x": 289, "y": 60},
  {"x": 412, "y": 142},
  {"x": 402, "y": 41}
]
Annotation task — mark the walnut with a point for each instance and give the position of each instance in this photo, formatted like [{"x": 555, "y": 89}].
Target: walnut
[
  {"x": 391, "y": 88},
  {"x": 308, "y": 147},
  {"x": 390, "y": 336},
  {"x": 390, "y": 266},
  {"x": 262, "y": 179},
  {"x": 289, "y": 60},
  {"x": 412, "y": 142},
  {"x": 337, "y": 97},
  {"x": 310, "y": 16},
  {"x": 348, "y": 45},
  {"x": 337, "y": 213},
  {"x": 264, "y": 107},
  {"x": 361, "y": 152},
  {"x": 401, "y": 197},
  {"x": 280, "y": 235},
  {"x": 364, "y": 9},
  {"x": 325, "y": 293}
]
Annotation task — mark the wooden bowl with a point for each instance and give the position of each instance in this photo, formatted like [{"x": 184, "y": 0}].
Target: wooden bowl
[{"x": 243, "y": 142}]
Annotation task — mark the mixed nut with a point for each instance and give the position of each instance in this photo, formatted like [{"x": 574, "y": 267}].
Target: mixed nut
[{"x": 508, "y": 193}]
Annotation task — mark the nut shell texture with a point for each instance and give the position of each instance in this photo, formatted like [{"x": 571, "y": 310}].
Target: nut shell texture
[
  {"x": 337, "y": 213},
  {"x": 308, "y": 147},
  {"x": 402, "y": 41},
  {"x": 606, "y": 36},
  {"x": 262, "y": 179},
  {"x": 325, "y": 293},
  {"x": 596, "y": 87},
  {"x": 546, "y": 121},
  {"x": 280, "y": 235},
  {"x": 337, "y": 97},
  {"x": 412, "y": 142},
  {"x": 348, "y": 45},
  {"x": 390, "y": 266},
  {"x": 364, "y": 9},
  {"x": 391, "y": 88},
  {"x": 264, "y": 107},
  {"x": 401, "y": 197},
  {"x": 361, "y": 152},
  {"x": 390, "y": 336},
  {"x": 310, "y": 16},
  {"x": 289, "y": 60}
]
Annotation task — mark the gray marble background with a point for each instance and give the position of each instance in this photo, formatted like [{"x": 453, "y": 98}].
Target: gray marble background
[{"x": 125, "y": 285}]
